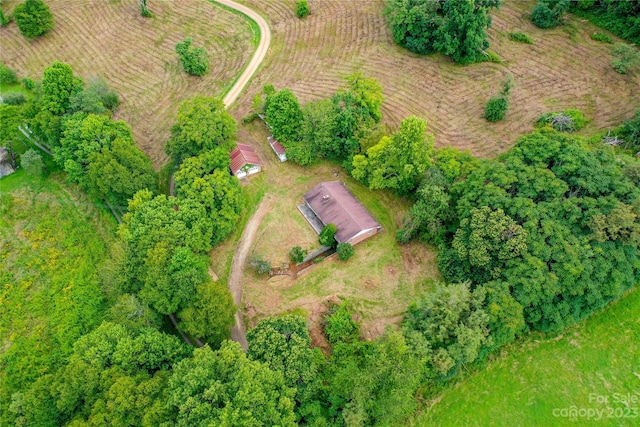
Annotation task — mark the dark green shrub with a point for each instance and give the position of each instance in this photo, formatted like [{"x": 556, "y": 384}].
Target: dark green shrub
[
  {"x": 7, "y": 75},
  {"x": 340, "y": 326},
  {"x": 4, "y": 21},
  {"x": 302, "y": 8},
  {"x": 627, "y": 58},
  {"x": 520, "y": 37},
  {"x": 599, "y": 37},
  {"x": 496, "y": 108},
  {"x": 29, "y": 84},
  {"x": 548, "y": 13},
  {"x": 297, "y": 254},
  {"x": 345, "y": 251},
  {"x": 327, "y": 235},
  {"x": 144, "y": 12},
  {"x": 33, "y": 18},
  {"x": 570, "y": 120},
  {"x": 194, "y": 59},
  {"x": 13, "y": 98}
]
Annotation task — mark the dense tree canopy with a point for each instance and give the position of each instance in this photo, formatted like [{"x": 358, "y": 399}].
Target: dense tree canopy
[
  {"x": 115, "y": 376},
  {"x": 101, "y": 156},
  {"x": 457, "y": 28},
  {"x": 619, "y": 17},
  {"x": 453, "y": 322},
  {"x": 211, "y": 314},
  {"x": 219, "y": 193},
  {"x": 372, "y": 383},
  {"x": 399, "y": 161},
  {"x": 225, "y": 388},
  {"x": 329, "y": 128},
  {"x": 154, "y": 230},
  {"x": 553, "y": 218},
  {"x": 202, "y": 124},
  {"x": 284, "y": 344}
]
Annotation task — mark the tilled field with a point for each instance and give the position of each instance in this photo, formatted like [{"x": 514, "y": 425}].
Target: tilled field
[
  {"x": 563, "y": 69},
  {"x": 137, "y": 55}
]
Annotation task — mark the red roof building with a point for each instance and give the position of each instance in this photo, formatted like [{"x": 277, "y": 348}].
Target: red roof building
[
  {"x": 277, "y": 148},
  {"x": 244, "y": 161},
  {"x": 332, "y": 203}
]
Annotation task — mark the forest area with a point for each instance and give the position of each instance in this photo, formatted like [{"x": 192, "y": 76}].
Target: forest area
[{"x": 109, "y": 313}]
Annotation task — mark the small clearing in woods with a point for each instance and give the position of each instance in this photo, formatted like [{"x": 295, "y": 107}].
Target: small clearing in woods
[
  {"x": 564, "y": 68},
  {"x": 381, "y": 279},
  {"x": 136, "y": 55}
]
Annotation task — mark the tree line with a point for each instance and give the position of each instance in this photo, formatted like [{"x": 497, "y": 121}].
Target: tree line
[
  {"x": 166, "y": 241},
  {"x": 535, "y": 240}
]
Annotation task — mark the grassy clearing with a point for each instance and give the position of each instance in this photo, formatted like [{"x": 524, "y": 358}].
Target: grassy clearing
[
  {"x": 57, "y": 255},
  {"x": 16, "y": 88},
  {"x": 379, "y": 281},
  {"x": 137, "y": 55},
  {"x": 597, "y": 359},
  {"x": 312, "y": 56}
]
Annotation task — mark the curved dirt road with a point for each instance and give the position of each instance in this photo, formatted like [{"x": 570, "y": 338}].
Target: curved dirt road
[
  {"x": 258, "y": 56},
  {"x": 238, "y": 332}
]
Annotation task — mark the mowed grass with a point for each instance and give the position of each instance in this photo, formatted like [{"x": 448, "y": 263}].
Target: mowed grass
[
  {"x": 564, "y": 68},
  {"x": 57, "y": 270},
  {"x": 137, "y": 56},
  {"x": 379, "y": 281},
  {"x": 595, "y": 361}
]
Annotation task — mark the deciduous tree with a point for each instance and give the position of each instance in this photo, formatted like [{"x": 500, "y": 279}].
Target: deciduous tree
[
  {"x": 397, "y": 162},
  {"x": 210, "y": 316},
  {"x": 202, "y": 124},
  {"x": 225, "y": 388},
  {"x": 33, "y": 18}
]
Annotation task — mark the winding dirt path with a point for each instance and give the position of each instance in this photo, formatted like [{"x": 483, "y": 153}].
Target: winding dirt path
[
  {"x": 258, "y": 56},
  {"x": 238, "y": 332}
]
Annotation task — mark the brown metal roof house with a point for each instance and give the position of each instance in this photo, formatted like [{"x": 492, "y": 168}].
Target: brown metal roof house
[
  {"x": 244, "y": 161},
  {"x": 332, "y": 203}
]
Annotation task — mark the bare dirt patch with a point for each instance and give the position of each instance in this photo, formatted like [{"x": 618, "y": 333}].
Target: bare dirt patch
[
  {"x": 137, "y": 56},
  {"x": 563, "y": 69}
]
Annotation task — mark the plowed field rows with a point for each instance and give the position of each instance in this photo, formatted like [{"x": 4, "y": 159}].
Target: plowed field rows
[
  {"x": 563, "y": 69},
  {"x": 136, "y": 55}
]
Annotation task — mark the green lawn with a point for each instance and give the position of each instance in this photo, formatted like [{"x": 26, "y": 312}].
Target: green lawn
[
  {"x": 594, "y": 366},
  {"x": 57, "y": 271}
]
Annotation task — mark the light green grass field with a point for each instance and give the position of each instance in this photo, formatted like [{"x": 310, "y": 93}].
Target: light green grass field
[
  {"x": 588, "y": 376},
  {"x": 56, "y": 275}
]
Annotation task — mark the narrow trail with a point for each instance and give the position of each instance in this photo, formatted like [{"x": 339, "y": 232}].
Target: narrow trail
[{"x": 238, "y": 332}]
